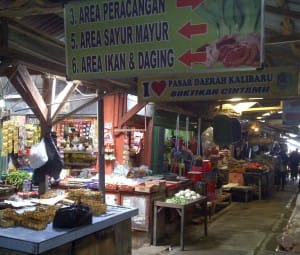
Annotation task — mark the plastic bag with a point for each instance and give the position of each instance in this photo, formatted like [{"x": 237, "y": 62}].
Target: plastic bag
[
  {"x": 38, "y": 155},
  {"x": 54, "y": 164}
]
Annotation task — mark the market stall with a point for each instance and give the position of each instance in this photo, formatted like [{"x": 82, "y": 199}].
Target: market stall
[
  {"x": 62, "y": 222},
  {"x": 114, "y": 225},
  {"x": 249, "y": 180}
]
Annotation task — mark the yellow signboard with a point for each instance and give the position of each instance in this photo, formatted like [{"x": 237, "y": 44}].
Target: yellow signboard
[
  {"x": 267, "y": 83},
  {"x": 129, "y": 38}
]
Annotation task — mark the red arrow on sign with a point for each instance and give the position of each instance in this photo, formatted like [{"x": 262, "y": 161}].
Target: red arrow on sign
[
  {"x": 189, "y": 58},
  {"x": 185, "y": 3},
  {"x": 188, "y": 29}
]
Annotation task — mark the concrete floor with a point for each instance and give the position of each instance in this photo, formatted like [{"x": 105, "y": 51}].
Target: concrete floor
[{"x": 239, "y": 229}]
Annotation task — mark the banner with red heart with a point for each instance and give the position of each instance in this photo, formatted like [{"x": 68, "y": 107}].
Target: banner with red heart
[{"x": 158, "y": 87}]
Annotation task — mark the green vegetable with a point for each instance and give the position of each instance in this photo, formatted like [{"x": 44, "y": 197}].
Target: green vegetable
[
  {"x": 252, "y": 10},
  {"x": 238, "y": 14},
  {"x": 228, "y": 16},
  {"x": 212, "y": 12},
  {"x": 227, "y": 13},
  {"x": 257, "y": 6},
  {"x": 16, "y": 178}
]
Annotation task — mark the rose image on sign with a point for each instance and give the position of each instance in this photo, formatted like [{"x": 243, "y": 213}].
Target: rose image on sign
[{"x": 158, "y": 87}]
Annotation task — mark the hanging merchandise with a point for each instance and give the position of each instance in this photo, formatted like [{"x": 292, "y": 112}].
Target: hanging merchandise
[
  {"x": 109, "y": 146},
  {"x": 38, "y": 155},
  {"x": 109, "y": 152},
  {"x": 126, "y": 150},
  {"x": 208, "y": 145},
  {"x": 18, "y": 138},
  {"x": 54, "y": 164},
  {"x": 9, "y": 136}
]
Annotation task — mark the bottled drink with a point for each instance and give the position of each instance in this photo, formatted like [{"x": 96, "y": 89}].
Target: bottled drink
[{"x": 26, "y": 187}]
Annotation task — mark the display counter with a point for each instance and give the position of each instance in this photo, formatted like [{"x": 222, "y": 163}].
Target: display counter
[{"x": 28, "y": 241}]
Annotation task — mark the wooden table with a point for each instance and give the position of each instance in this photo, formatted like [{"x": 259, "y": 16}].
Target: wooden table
[
  {"x": 261, "y": 179},
  {"x": 180, "y": 208}
]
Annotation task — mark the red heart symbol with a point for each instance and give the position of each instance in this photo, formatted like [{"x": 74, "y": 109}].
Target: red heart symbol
[{"x": 158, "y": 87}]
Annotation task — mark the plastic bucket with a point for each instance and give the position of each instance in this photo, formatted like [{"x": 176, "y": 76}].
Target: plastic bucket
[
  {"x": 195, "y": 176},
  {"x": 206, "y": 164}
]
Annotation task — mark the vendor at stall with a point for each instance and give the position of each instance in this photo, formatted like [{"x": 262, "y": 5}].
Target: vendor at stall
[{"x": 181, "y": 159}]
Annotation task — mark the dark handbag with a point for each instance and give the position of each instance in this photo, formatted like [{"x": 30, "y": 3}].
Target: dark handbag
[{"x": 73, "y": 216}]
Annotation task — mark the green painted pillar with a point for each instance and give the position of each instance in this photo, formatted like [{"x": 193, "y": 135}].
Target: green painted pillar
[{"x": 158, "y": 150}]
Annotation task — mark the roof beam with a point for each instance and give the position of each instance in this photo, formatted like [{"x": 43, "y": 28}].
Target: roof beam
[
  {"x": 61, "y": 118},
  {"x": 21, "y": 80},
  {"x": 29, "y": 8},
  {"x": 61, "y": 98},
  {"x": 128, "y": 115},
  {"x": 4, "y": 66}
]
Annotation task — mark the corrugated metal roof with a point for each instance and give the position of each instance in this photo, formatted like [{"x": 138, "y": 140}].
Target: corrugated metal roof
[{"x": 50, "y": 24}]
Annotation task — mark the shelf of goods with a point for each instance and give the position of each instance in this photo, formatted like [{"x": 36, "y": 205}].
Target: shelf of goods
[
  {"x": 80, "y": 157},
  {"x": 76, "y": 160}
]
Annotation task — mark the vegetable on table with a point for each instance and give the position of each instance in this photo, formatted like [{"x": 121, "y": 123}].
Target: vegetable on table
[
  {"x": 17, "y": 177},
  {"x": 183, "y": 196}
]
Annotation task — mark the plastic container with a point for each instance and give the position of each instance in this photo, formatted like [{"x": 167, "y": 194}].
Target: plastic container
[
  {"x": 26, "y": 186},
  {"x": 195, "y": 176},
  {"x": 206, "y": 165},
  {"x": 197, "y": 169}
]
